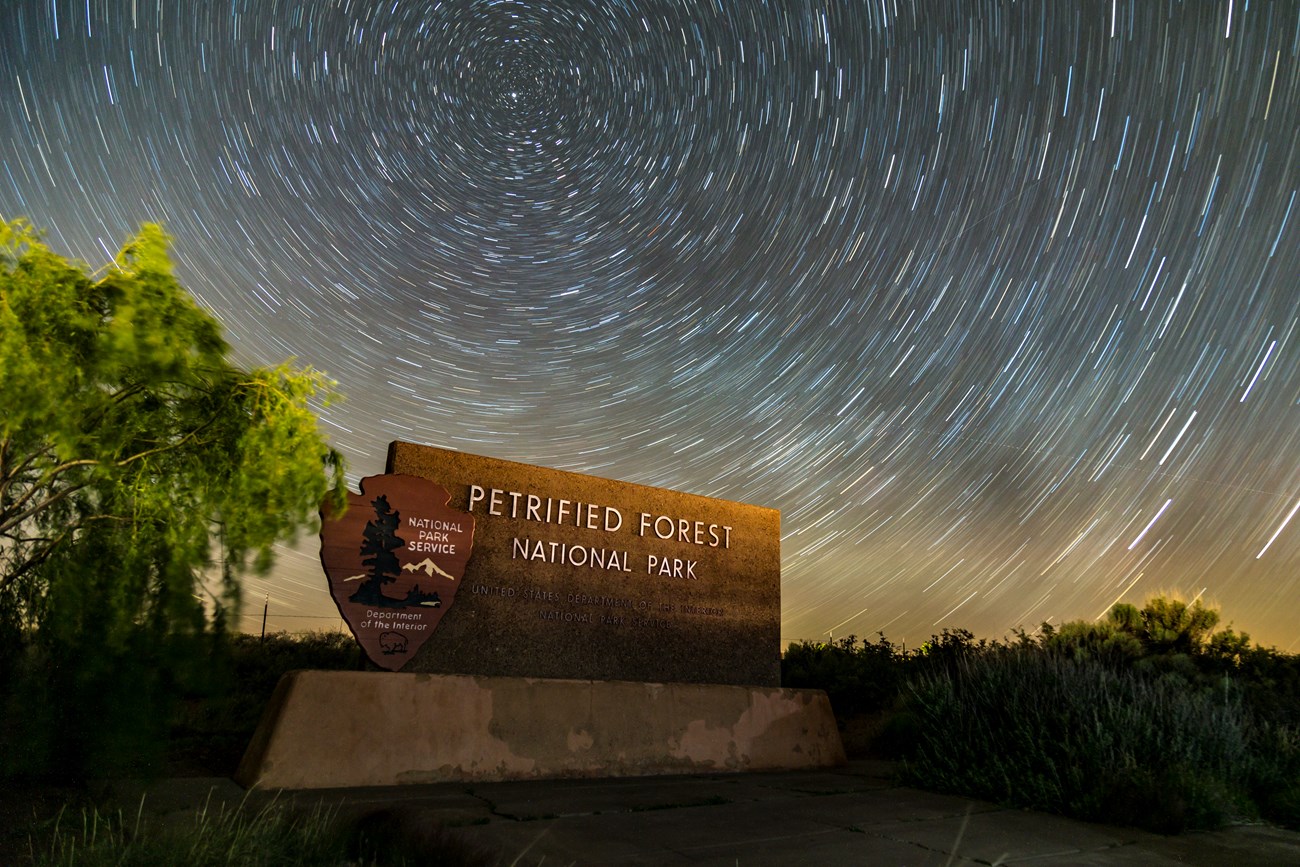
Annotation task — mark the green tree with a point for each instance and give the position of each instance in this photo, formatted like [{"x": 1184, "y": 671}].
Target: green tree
[
  {"x": 141, "y": 473},
  {"x": 1165, "y": 624}
]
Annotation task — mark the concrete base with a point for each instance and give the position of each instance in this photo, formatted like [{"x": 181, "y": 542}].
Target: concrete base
[{"x": 331, "y": 729}]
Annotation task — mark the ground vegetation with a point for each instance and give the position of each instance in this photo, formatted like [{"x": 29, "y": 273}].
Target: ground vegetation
[{"x": 1152, "y": 715}]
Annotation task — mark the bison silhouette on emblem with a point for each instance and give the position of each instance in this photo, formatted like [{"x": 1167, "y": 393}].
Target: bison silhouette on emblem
[{"x": 392, "y": 642}]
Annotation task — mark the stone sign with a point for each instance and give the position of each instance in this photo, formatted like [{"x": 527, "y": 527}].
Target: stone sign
[
  {"x": 394, "y": 561},
  {"x": 573, "y": 576}
]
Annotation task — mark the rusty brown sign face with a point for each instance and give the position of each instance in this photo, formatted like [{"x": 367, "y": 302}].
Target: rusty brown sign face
[
  {"x": 395, "y": 560},
  {"x": 575, "y": 576}
]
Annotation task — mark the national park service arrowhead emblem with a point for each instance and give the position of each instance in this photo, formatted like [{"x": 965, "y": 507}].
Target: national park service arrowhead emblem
[{"x": 394, "y": 561}]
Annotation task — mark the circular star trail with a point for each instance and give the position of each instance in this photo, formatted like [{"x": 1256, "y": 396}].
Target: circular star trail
[{"x": 996, "y": 302}]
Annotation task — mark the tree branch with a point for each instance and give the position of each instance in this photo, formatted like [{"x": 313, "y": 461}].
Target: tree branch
[
  {"x": 8, "y": 478},
  {"x": 32, "y": 561},
  {"x": 20, "y": 511}
]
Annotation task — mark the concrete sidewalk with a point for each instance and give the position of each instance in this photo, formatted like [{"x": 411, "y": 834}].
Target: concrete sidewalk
[{"x": 852, "y": 815}]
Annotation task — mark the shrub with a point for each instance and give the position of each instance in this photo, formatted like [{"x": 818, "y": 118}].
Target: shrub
[
  {"x": 1150, "y": 715},
  {"x": 1103, "y": 642},
  {"x": 857, "y": 677},
  {"x": 949, "y": 649},
  {"x": 1275, "y": 783},
  {"x": 1075, "y": 737},
  {"x": 96, "y": 711},
  {"x": 1272, "y": 682},
  {"x": 212, "y": 729}
]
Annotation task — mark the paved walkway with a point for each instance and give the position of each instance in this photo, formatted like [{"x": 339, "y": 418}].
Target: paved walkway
[{"x": 852, "y": 815}]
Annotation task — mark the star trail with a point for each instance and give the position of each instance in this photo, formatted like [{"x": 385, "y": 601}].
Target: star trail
[{"x": 997, "y": 302}]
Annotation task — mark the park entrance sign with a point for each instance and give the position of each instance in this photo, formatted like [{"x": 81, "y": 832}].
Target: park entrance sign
[
  {"x": 558, "y": 575},
  {"x": 545, "y": 624}
]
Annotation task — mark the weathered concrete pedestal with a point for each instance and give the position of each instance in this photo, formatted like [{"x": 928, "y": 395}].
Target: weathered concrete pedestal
[{"x": 329, "y": 729}]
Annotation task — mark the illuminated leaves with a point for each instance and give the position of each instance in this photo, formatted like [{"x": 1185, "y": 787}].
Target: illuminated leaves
[{"x": 130, "y": 446}]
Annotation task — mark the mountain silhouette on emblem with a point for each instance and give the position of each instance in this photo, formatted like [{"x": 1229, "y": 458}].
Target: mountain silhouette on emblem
[{"x": 428, "y": 567}]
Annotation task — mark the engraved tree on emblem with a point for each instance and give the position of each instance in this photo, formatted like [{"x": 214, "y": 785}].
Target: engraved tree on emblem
[
  {"x": 381, "y": 540},
  {"x": 378, "y": 552}
]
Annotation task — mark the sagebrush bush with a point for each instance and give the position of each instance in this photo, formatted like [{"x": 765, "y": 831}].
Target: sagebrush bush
[
  {"x": 1152, "y": 716},
  {"x": 1041, "y": 731},
  {"x": 858, "y": 678},
  {"x": 1276, "y": 773}
]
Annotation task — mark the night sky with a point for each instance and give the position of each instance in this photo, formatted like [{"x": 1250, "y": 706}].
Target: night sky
[{"x": 997, "y": 302}]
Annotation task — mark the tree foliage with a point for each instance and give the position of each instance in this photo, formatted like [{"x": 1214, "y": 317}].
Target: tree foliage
[
  {"x": 1164, "y": 626},
  {"x": 135, "y": 457}
]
